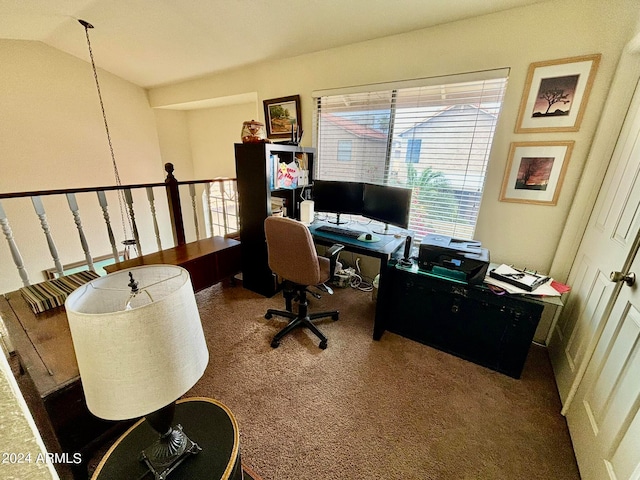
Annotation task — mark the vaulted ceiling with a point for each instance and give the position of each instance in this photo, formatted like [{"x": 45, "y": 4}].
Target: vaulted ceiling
[{"x": 158, "y": 42}]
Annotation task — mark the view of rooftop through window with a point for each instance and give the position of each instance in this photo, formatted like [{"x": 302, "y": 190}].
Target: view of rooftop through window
[{"x": 435, "y": 139}]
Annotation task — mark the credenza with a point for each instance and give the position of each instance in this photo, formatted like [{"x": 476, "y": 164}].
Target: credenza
[{"x": 469, "y": 321}]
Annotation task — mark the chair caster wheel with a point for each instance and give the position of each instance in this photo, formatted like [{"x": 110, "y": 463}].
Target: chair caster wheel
[
  {"x": 268, "y": 316},
  {"x": 275, "y": 343},
  {"x": 335, "y": 317},
  {"x": 323, "y": 344}
]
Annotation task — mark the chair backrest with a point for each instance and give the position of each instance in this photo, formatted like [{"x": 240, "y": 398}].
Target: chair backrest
[{"x": 291, "y": 251}]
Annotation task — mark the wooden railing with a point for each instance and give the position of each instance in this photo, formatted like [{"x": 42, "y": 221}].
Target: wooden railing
[{"x": 211, "y": 211}]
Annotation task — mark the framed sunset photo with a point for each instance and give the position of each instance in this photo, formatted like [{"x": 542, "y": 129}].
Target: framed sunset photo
[
  {"x": 535, "y": 172},
  {"x": 556, "y": 94}
]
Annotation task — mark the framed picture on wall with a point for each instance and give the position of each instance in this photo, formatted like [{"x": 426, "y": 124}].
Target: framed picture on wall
[
  {"x": 535, "y": 172},
  {"x": 556, "y": 93},
  {"x": 282, "y": 116}
]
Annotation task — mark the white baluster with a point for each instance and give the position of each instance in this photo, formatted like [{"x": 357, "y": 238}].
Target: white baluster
[
  {"x": 224, "y": 207},
  {"x": 152, "y": 206},
  {"x": 102, "y": 200},
  {"x": 192, "y": 193},
  {"x": 73, "y": 206},
  {"x": 207, "y": 188},
  {"x": 15, "y": 253},
  {"x": 132, "y": 217},
  {"x": 39, "y": 208}
]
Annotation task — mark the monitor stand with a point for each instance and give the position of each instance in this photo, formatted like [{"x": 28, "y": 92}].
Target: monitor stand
[
  {"x": 386, "y": 230},
  {"x": 337, "y": 222}
]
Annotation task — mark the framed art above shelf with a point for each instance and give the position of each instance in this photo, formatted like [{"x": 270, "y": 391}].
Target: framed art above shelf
[{"x": 282, "y": 117}]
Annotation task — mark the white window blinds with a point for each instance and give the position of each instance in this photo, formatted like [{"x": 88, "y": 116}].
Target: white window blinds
[{"x": 433, "y": 136}]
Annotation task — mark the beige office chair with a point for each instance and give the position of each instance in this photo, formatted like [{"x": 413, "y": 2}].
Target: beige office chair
[{"x": 292, "y": 255}]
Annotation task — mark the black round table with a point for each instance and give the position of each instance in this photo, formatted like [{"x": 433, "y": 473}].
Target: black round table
[{"x": 207, "y": 422}]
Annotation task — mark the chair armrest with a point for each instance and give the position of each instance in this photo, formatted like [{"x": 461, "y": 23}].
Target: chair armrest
[{"x": 332, "y": 255}]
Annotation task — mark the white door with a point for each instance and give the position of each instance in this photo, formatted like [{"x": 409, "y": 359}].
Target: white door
[
  {"x": 606, "y": 246},
  {"x": 603, "y": 417}
]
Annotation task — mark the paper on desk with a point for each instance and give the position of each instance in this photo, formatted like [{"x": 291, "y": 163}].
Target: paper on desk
[{"x": 543, "y": 290}]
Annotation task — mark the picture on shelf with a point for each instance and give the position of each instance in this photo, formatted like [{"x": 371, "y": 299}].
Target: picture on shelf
[{"x": 282, "y": 116}]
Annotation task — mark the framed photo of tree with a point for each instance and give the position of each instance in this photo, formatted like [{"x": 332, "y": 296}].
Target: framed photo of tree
[
  {"x": 282, "y": 117},
  {"x": 535, "y": 172},
  {"x": 556, "y": 94}
]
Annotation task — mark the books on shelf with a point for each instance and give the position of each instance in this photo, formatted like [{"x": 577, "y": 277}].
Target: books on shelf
[{"x": 289, "y": 175}]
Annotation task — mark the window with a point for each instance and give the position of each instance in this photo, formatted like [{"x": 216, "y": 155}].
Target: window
[
  {"x": 432, "y": 135},
  {"x": 413, "y": 150},
  {"x": 344, "y": 150}
]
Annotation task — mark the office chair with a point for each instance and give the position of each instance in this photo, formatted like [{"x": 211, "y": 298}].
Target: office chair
[{"x": 292, "y": 255}]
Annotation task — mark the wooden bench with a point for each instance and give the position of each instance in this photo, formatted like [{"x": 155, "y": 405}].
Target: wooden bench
[{"x": 208, "y": 261}]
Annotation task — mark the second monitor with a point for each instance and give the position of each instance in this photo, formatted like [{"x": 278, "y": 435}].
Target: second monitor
[{"x": 384, "y": 203}]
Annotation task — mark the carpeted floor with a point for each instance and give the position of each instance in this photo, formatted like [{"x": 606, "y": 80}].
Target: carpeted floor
[{"x": 363, "y": 409}]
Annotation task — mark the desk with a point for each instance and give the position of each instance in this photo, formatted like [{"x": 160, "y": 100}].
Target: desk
[
  {"x": 205, "y": 421},
  {"x": 384, "y": 250}
]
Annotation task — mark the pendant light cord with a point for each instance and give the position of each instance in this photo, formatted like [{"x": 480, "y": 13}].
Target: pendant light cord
[{"x": 87, "y": 26}]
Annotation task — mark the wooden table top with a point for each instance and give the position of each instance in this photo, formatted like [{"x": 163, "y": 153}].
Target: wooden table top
[
  {"x": 177, "y": 255},
  {"x": 43, "y": 342}
]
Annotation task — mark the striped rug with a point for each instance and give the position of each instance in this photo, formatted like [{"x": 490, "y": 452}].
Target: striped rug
[{"x": 52, "y": 293}]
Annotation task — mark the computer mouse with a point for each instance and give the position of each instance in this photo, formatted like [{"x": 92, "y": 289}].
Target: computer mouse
[{"x": 368, "y": 236}]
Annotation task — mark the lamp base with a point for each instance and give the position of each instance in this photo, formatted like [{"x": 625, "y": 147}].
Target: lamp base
[{"x": 171, "y": 449}]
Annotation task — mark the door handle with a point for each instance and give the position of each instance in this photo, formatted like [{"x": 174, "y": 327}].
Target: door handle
[{"x": 629, "y": 278}]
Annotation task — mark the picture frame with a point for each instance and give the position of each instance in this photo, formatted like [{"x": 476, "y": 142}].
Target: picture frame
[
  {"x": 535, "y": 172},
  {"x": 556, "y": 93},
  {"x": 282, "y": 115}
]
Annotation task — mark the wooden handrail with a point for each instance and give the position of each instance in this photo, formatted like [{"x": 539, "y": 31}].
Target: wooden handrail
[
  {"x": 172, "y": 188},
  {"x": 64, "y": 191}
]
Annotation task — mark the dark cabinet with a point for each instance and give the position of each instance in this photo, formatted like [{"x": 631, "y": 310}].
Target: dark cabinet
[
  {"x": 471, "y": 322},
  {"x": 254, "y": 171}
]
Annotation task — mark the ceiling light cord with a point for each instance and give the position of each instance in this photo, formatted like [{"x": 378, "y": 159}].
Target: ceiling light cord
[{"x": 87, "y": 26}]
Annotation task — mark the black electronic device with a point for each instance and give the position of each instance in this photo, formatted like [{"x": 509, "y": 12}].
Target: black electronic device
[
  {"x": 405, "y": 261},
  {"x": 463, "y": 260},
  {"x": 387, "y": 204},
  {"x": 338, "y": 197}
]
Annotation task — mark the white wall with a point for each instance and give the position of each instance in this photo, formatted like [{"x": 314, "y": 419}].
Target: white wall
[
  {"x": 526, "y": 235},
  {"x": 52, "y": 137}
]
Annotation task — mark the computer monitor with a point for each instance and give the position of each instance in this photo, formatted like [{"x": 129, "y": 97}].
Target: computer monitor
[
  {"x": 386, "y": 204},
  {"x": 337, "y": 197}
]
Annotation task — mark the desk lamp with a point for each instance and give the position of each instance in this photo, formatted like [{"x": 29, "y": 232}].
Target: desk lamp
[{"x": 140, "y": 346}]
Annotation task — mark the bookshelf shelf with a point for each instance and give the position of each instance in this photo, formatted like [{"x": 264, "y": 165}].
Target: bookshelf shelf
[{"x": 255, "y": 180}]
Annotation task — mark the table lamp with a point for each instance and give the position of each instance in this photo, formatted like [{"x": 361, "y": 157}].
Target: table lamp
[{"x": 139, "y": 344}]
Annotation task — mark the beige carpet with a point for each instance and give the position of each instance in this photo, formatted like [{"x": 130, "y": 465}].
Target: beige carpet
[{"x": 363, "y": 409}]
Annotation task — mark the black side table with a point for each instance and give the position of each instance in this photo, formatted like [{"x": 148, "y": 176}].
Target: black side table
[{"x": 207, "y": 422}]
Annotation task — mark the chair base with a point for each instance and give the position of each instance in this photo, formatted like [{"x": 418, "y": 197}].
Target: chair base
[{"x": 300, "y": 320}]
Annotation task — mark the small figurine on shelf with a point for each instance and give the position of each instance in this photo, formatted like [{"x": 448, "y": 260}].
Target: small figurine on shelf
[{"x": 253, "y": 132}]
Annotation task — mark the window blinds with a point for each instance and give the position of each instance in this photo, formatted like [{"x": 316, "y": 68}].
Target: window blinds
[{"x": 434, "y": 138}]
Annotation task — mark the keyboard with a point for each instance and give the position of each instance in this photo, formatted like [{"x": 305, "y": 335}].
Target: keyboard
[{"x": 343, "y": 232}]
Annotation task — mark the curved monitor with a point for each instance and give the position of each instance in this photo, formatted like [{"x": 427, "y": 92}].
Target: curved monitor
[
  {"x": 337, "y": 197},
  {"x": 387, "y": 204}
]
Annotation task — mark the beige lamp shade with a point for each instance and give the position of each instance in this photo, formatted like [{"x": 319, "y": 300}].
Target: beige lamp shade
[{"x": 137, "y": 353}]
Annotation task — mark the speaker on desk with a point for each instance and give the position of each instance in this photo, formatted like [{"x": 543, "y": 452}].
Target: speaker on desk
[
  {"x": 306, "y": 211},
  {"x": 406, "y": 260}
]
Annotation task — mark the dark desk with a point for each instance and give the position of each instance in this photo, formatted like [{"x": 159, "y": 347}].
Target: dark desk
[
  {"x": 383, "y": 249},
  {"x": 205, "y": 421},
  {"x": 469, "y": 321}
]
